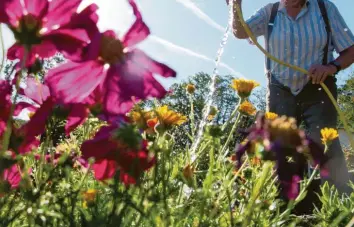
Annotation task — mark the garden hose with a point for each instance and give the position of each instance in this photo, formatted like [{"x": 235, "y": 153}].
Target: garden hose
[{"x": 325, "y": 88}]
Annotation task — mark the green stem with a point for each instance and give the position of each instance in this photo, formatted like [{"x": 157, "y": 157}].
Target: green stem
[
  {"x": 267, "y": 167},
  {"x": 8, "y": 132},
  {"x": 3, "y": 50},
  {"x": 224, "y": 149},
  {"x": 231, "y": 116},
  {"x": 191, "y": 114},
  {"x": 298, "y": 199}
]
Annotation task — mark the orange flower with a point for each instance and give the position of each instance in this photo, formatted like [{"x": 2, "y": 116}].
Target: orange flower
[
  {"x": 188, "y": 171},
  {"x": 169, "y": 117},
  {"x": 190, "y": 88},
  {"x": 244, "y": 87},
  {"x": 247, "y": 108},
  {"x": 270, "y": 115}
]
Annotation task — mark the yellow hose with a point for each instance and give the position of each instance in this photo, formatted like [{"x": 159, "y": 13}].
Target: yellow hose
[{"x": 325, "y": 88}]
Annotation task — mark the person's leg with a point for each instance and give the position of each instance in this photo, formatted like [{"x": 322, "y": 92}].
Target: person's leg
[
  {"x": 318, "y": 113},
  {"x": 280, "y": 100}
]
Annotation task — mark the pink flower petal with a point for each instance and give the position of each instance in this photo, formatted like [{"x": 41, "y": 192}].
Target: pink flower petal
[
  {"x": 13, "y": 10},
  {"x": 24, "y": 105},
  {"x": 143, "y": 60},
  {"x": 28, "y": 145},
  {"x": 86, "y": 19},
  {"x": 37, "y": 8},
  {"x": 36, "y": 91},
  {"x": 136, "y": 11},
  {"x": 74, "y": 82},
  {"x": 45, "y": 49},
  {"x": 17, "y": 51},
  {"x": 137, "y": 33},
  {"x": 36, "y": 125},
  {"x": 13, "y": 176},
  {"x": 77, "y": 116},
  {"x": 104, "y": 169},
  {"x": 60, "y": 12},
  {"x": 69, "y": 41}
]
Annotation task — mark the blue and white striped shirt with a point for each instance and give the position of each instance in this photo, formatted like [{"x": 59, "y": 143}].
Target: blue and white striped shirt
[{"x": 300, "y": 41}]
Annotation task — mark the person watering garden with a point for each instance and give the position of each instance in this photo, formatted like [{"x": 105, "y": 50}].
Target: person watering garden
[{"x": 305, "y": 33}]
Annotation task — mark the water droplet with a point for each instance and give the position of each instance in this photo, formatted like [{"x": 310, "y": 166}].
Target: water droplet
[
  {"x": 317, "y": 126},
  {"x": 106, "y": 66},
  {"x": 54, "y": 27},
  {"x": 277, "y": 93},
  {"x": 346, "y": 29},
  {"x": 322, "y": 102},
  {"x": 319, "y": 89}
]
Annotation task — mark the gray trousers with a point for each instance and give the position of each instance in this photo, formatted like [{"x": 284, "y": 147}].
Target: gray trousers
[{"x": 313, "y": 108}]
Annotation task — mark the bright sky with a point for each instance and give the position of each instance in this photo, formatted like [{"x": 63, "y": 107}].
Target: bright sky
[{"x": 186, "y": 34}]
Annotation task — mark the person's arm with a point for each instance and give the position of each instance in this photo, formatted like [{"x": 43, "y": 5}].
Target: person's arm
[
  {"x": 343, "y": 41},
  {"x": 257, "y": 22},
  {"x": 238, "y": 29}
]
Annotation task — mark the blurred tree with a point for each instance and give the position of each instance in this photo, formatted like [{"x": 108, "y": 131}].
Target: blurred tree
[{"x": 346, "y": 101}]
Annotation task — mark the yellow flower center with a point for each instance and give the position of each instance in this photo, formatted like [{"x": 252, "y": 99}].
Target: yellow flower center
[
  {"x": 190, "y": 88},
  {"x": 111, "y": 50},
  {"x": 285, "y": 130},
  {"x": 169, "y": 117}
]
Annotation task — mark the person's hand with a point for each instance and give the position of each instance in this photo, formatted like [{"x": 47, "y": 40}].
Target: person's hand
[
  {"x": 319, "y": 73},
  {"x": 235, "y": 1}
]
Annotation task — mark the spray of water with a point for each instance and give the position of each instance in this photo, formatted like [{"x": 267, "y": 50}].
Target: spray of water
[{"x": 209, "y": 98}]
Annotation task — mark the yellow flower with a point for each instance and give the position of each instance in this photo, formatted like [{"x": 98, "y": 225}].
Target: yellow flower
[
  {"x": 244, "y": 87},
  {"x": 247, "y": 108},
  {"x": 270, "y": 115},
  {"x": 328, "y": 135},
  {"x": 188, "y": 171},
  {"x": 169, "y": 117},
  {"x": 140, "y": 117},
  {"x": 284, "y": 129},
  {"x": 89, "y": 197},
  {"x": 190, "y": 88},
  {"x": 213, "y": 111}
]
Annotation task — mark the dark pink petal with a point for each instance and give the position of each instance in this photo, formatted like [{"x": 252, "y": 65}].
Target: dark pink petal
[
  {"x": 104, "y": 169},
  {"x": 77, "y": 116},
  {"x": 86, "y": 19},
  {"x": 143, "y": 60},
  {"x": 37, "y": 8},
  {"x": 136, "y": 11},
  {"x": 13, "y": 11},
  {"x": 28, "y": 145},
  {"x": 45, "y": 49},
  {"x": 60, "y": 12},
  {"x": 36, "y": 125},
  {"x": 74, "y": 82},
  {"x": 36, "y": 91},
  {"x": 13, "y": 176},
  {"x": 137, "y": 33},
  {"x": 68, "y": 41},
  {"x": 16, "y": 52},
  {"x": 24, "y": 105},
  {"x": 98, "y": 148},
  {"x": 293, "y": 188},
  {"x": 126, "y": 178},
  {"x": 127, "y": 81}
]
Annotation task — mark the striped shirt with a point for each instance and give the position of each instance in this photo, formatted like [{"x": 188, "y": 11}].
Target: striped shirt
[{"x": 300, "y": 41}]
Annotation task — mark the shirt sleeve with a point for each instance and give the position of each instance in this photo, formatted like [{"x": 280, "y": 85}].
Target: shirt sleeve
[
  {"x": 342, "y": 37},
  {"x": 258, "y": 22}
]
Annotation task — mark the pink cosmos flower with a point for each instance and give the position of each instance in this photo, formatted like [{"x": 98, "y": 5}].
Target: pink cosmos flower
[
  {"x": 45, "y": 27},
  {"x": 5, "y": 104},
  {"x": 114, "y": 64},
  {"x": 12, "y": 176},
  {"x": 44, "y": 105},
  {"x": 111, "y": 155}
]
